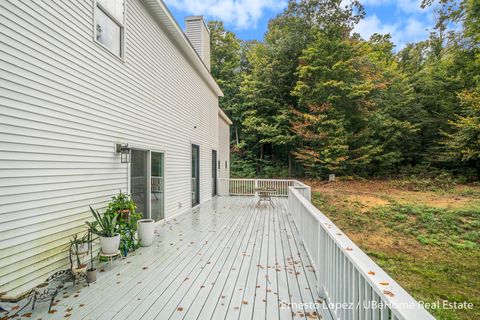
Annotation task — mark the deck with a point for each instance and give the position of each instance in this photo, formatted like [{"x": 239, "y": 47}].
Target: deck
[{"x": 225, "y": 259}]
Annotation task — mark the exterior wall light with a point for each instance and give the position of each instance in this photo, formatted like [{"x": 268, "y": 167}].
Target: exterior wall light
[{"x": 125, "y": 151}]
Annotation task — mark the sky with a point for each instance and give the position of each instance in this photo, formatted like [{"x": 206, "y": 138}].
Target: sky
[{"x": 403, "y": 19}]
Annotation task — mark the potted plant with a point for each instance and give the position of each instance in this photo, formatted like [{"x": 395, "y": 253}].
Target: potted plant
[
  {"x": 78, "y": 267},
  {"x": 124, "y": 208},
  {"x": 91, "y": 272},
  {"x": 106, "y": 228},
  {"x": 81, "y": 243},
  {"x": 146, "y": 229}
]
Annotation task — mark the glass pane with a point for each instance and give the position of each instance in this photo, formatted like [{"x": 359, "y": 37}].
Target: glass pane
[
  {"x": 157, "y": 185},
  {"x": 195, "y": 175},
  {"x": 138, "y": 180},
  {"x": 108, "y": 32},
  {"x": 114, "y": 7}
]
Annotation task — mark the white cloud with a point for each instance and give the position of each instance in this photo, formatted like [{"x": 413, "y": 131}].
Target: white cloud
[
  {"x": 242, "y": 14},
  {"x": 402, "y": 31}
]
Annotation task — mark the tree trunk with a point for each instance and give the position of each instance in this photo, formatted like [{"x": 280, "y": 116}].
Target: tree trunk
[{"x": 236, "y": 136}]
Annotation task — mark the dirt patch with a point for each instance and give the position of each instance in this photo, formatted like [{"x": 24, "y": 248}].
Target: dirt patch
[
  {"x": 370, "y": 194},
  {"x": 366, "y": 202}
]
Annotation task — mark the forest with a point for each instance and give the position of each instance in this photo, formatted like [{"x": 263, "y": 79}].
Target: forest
[{"x": 314, "y": 98}]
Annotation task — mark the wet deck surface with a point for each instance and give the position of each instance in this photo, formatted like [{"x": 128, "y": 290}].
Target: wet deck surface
[{"x": 226, "y": 259}]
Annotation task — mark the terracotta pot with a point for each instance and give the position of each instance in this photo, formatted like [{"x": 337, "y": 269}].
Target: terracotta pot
[{"x": 82, "y": 269}]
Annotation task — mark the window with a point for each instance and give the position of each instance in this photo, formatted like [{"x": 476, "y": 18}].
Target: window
[
  {"x": 226, "y": 165},
  {"x": 109, "y": 21},
  {"x": 218, "y": 164}
]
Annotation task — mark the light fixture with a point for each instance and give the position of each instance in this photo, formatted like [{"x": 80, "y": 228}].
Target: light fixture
[{"x": 124, "y": 150}]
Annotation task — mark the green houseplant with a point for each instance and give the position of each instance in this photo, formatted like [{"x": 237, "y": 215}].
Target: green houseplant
[
  {"x": 105, "y": 226},
  {"x": 75, "y": 252},
  {"x": 124, "y": 208}
]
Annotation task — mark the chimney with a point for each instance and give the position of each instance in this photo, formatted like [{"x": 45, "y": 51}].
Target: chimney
[{"x": 199, "y": 35}]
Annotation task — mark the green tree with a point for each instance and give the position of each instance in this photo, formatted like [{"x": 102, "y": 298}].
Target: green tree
[
  {"x": 463, "y": 142},
  {"x": 226, "y": 69}
]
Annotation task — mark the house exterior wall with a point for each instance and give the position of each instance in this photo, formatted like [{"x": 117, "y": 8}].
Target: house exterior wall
[
  {"x": 223, "y": 148},
  {"x": 64, "y": 103}
]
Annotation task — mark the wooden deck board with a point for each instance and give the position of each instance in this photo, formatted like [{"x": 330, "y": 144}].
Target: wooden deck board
[{"x": 223, "y": 260}]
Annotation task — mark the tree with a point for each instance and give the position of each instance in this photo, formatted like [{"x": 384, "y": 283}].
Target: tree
[
  {"x": 463, "y": 142},
  {"x": 225, "y": 68}
]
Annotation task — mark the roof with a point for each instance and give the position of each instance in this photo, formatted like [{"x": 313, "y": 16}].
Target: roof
[
  {"x": 165, "y": 19},
  {"x": 224, "y": 116}
]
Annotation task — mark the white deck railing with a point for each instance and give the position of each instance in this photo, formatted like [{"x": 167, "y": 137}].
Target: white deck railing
[
  {"x": 246, "y": 187},
  {"x": 353, "y": 285}
]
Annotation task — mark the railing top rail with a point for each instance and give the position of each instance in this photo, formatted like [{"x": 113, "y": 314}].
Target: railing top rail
[
  {"x": 404, "y": 306},
  {"x": 253, "y": 179}
]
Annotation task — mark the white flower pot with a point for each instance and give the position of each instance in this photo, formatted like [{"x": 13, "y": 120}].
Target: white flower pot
[
  {"x": 110, "y": 245},
  {"x": 146, "y": 229}
]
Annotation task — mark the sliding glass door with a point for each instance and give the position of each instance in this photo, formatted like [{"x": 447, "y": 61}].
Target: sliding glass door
[
  {"x": 138, "y": 180},
  {"x": 147, "y": 172},
  {"x": 214, "y": 173},
  {"x": 195, "y": 175},
  {"x": 157, "y": 186}
]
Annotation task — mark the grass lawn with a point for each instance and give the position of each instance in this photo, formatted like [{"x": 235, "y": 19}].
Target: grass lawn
[{"x": 428, "y": 241}]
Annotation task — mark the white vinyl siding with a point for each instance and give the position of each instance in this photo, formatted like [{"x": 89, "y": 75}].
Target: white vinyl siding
[
  {"x": 223, "y": 148},
  {"x": 199, "y": 36},
  {"x": 64, "y": 103}
]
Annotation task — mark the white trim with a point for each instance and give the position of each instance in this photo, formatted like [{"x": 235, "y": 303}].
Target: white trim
[
  {"x": 119, "y": 23},
  {"x": 224, "y": 116},
  {"x": 149, "y": 151}
]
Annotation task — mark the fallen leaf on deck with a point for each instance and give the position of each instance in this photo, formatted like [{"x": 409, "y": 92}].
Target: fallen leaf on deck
[
  {"x": 52, "y": 311},
  {"x": 384, "y": 283},
  {"x": 388, "y": 293},
  {"x": 371, "y": 273},
  {"x": 179, "y": 309}
]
